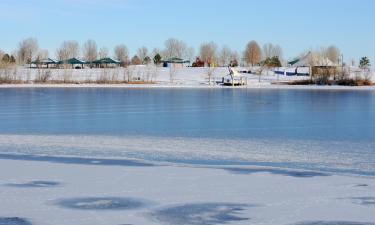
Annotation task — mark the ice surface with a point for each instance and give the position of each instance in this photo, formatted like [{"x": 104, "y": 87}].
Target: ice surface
[
  {"x": 173, "y": 194},
  {"x": 333, "y": 223},
  {"x": 101, "y": 203},
  {"x": 285, "y": 172},
  {"x": 35, "y": 184},
  {"x": 200, "y": 214},
  {"x": 75, "y": 160},
  {"x": 324, "y": 156},
  {"x": 13, "y": 221},
  {"x": 369, "y": 201}
]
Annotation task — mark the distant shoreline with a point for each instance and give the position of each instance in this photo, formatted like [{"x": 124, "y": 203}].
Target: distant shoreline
[{"x": 177, "y": 86}]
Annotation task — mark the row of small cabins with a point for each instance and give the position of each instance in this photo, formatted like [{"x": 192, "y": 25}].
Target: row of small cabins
[{"x": 100, "y": 63}]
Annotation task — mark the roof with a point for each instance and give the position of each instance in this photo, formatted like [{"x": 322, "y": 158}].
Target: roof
[
  {"x": 311, "y": 59},
  {"x": 299, "y": 61},
  {"x": 175, "y": 60},
  {"x": 72, "y": 61},
  {"x": 106, "y": 61},
  {"x": 44, "y": 61}
]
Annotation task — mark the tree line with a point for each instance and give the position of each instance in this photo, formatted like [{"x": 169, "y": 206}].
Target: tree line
[{"x": 210, "y": 54}]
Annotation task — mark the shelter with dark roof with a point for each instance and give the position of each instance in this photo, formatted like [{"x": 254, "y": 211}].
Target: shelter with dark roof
[
  {"x": 74, "y": 62},
  {"x": 47, "y": 63},
  {"x": 106, "y": 62}
]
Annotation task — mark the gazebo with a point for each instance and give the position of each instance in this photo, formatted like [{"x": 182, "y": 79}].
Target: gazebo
[
  {"x": 47, "y": 62},
  {"x": 105, "y": 62},
  {"x": 73, "y": 61}
]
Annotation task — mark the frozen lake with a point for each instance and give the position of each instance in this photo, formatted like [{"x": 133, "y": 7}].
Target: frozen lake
[
  {"x": 328, "y": 130},
  {"x": 103, "y": 156}
]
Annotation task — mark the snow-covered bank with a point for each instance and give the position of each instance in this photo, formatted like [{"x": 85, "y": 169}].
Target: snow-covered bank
[
  {"x": 46, "y": 193},
  {"x": 157, "y": 76}
]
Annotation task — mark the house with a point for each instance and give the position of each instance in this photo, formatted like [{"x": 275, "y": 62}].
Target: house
[{"x": 309, "y": 64}]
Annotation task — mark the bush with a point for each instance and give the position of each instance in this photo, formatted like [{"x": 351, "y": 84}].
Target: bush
[{"x": 43, "y": 76}]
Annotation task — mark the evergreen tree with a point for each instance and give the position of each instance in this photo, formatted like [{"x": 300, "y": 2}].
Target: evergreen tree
[
  {"x": 364, "y": 63},
  {"x": 157, "y": 59},
  {"x": 12, "y": 59},
  {"x": 146, "y": 60},
  {"x": 233, "y": 63},
  {"x": 6, "y": 58},
  {"x": 272, "y": 62}
]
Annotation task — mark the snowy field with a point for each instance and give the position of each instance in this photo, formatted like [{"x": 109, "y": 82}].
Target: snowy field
[
  {"x": 192, "y": 77},
  {"x": 160, "y": 77}
]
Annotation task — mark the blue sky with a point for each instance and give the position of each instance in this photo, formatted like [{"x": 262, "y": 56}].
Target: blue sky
[{"x": 296, "y": 25}]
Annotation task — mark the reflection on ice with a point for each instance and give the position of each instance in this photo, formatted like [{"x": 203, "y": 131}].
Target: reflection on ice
[
  {"x": 285, "y": 172},
  {"x": 13, "y": 221},
  {"x": 74, "y": 160},
  {"x": 101, "y": 203},
  {"x": 364, "y": 200},
  {"x": 200, "y": 214},
  {"x": 35, "y": 184}
]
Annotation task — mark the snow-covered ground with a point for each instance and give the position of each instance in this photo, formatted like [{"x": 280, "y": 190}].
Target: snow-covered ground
[{"x": 160, "y": 77}]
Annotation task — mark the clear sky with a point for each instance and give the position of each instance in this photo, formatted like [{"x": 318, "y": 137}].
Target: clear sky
[{"x": 296, "y": 25}]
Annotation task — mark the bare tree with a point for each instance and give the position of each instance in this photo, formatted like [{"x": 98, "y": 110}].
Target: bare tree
[
  {"x": 136, "y": 60},
  {"x": 1, "y": 55},
  {"x": 122, "y": 54},
  {"x": 154, "y": 52},
  {"x": 90, "y": 51},
  {"x": 225, "y": 56},
  {"x": 234, "y": 58},
  {"x": 210, "y": 73},
  {"x": 172, "y": 72},
  {"x": 27, "y": 50},
  {"x": 174, "y": 48},
  {"x": 253, "y": 53},
  {"x": 67, "y": 50},
  {"x": 208, "y": 53},
  {"x": 43, "y": 54},
  {"x": 103, "y": 52},
  {"x": 270, "y": 50},
  {"x": 333, "y": 54},
  {"x": 142, "y": 53},
  {"x": 190, "y": 54}
]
